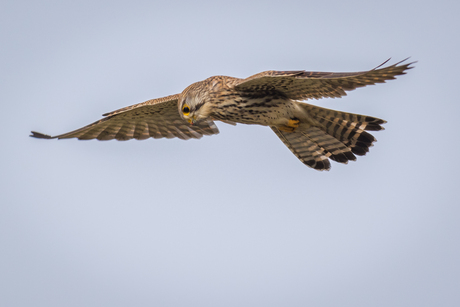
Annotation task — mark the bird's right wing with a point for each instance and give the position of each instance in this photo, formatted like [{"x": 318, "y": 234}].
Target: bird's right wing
[
  {"x": 157, "y": 118},
  {"x": 303, "y": 85}
]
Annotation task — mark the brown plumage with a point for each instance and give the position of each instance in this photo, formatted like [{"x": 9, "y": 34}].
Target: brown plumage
[{"x": 270, "y": 98}]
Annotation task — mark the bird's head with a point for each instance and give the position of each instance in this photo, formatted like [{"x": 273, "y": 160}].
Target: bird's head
[{"x": 192, "y": 104}]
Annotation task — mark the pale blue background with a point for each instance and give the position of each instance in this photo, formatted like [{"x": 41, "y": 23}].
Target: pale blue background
[{"x": 233, "y": 219}]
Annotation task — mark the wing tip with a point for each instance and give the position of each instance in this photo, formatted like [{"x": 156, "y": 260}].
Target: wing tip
[
  {"x": 38, "y": 135},
  {"x": 386, "y": 61},
  {"x": 406, "y": 66}
]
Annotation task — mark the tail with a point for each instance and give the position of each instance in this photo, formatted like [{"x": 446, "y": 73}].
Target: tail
[{"x": 334, "y": 135}]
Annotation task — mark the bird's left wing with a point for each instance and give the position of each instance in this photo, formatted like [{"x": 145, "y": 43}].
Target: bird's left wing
[
  {"x": 157, "y": 118},
  {"x": 302, "y": 85}
]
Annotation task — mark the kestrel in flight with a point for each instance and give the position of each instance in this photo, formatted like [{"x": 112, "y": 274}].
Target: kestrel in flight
[{"x": 270, "y": 98}]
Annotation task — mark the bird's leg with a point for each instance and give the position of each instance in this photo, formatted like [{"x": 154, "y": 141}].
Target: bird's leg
[{"x": 291, "y": 125}]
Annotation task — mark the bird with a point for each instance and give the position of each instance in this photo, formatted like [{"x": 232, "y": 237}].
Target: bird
[{"x": 276, "y": 99}]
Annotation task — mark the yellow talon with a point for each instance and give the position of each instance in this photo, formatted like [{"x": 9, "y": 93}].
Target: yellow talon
[
  {"x": 291, "y": 125},
  {"x": 294, "y": 123}
]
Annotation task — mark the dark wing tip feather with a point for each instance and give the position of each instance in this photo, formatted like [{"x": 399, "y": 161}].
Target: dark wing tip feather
[
  {"x": 396, "y": 64},
  {"x": 401, "y": 69},
  {"x": 407, "y": 63},
  {"x": 387, "y": 62},
  {"x": 39, "y": 135}
]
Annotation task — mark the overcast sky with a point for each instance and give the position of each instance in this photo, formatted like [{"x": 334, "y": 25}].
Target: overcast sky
[{"x": 232, "y": 219}]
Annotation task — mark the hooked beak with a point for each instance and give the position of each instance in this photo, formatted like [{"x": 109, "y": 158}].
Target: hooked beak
[{"x": 191, "y": 120}]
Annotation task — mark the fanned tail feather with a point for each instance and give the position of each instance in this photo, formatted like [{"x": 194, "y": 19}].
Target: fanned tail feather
[{"x": 334, "y": 135}]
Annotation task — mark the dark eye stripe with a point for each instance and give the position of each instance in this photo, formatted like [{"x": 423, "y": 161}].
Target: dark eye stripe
[{"x": 198, "y": 106}]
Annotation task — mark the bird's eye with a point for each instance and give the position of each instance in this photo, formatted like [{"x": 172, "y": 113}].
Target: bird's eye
[{"x": 186, "y": 110}]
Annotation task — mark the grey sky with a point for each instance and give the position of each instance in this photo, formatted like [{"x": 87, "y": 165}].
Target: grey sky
[{"x": 233, "y": 219}]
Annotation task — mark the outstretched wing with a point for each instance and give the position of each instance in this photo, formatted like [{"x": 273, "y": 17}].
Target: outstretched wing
[
  {"x": 157, "y": 118},
  {"x": 302, "y": 85}
]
